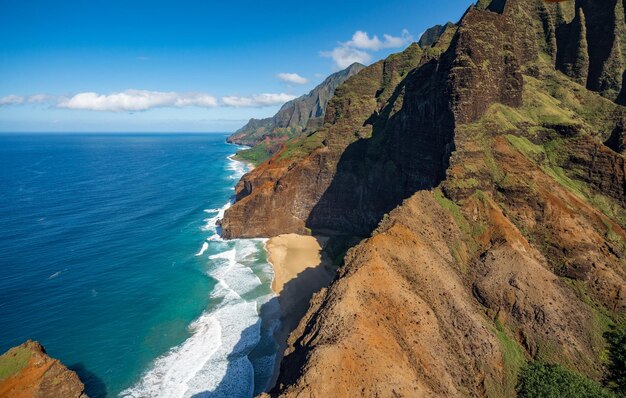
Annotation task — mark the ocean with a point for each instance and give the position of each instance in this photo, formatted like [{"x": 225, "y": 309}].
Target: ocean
[{"x": 111, "y": 258}]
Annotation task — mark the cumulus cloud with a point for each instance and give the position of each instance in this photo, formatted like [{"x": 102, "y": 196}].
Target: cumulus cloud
[
  {"x": 361, "y": 39},
  {"x": 256, "y": 101},
  {"x": 346, "y": 56},
  {"x": 136, "y": 100},
  {"x": 358, "y": 48},
  {"x": 292, "y": 78}
]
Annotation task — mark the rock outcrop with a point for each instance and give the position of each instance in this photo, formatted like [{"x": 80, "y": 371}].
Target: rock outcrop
[
  {"x": 589, "y": 47},
  {"x": 27, "y": 371},
  {"x": 489, "y": 186},
  {"x": 431, "y": 35}
]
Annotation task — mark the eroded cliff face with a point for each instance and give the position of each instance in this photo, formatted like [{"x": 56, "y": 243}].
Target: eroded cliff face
[
  {"x": 497, "y": 185},
  {"x": 27, "y": 371},
  {"x": 388, "y": 132},
  {"x": 376, "y": 148}
]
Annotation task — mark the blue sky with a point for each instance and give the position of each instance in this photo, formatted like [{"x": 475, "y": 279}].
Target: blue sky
[{"x": 186, "y": 66}]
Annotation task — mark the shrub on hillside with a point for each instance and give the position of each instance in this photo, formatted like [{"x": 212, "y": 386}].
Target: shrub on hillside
[
  {"x": 541, "y": 380},
  {"x": 616, "y": 339}
]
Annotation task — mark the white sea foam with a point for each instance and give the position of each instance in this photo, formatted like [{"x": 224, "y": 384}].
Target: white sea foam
[
  {"x": 55, "y": 275},
  {"x": 215, "y": 238},
  {"x": 211, "y": 222},
  {"x": 213, "y": 362},
  {"x": 204, "y": 248},
  {"x": 172, "y": 372}
]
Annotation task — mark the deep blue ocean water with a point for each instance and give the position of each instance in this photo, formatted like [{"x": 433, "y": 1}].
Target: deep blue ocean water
[{"x": 110, "y": 257}]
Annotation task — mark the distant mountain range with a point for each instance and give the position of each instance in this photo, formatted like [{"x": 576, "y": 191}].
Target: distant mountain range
[{"x": 293, "y": 118}]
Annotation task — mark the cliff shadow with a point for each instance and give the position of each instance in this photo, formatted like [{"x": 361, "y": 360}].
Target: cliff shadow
[
  {"x": 94, "y": 386},
  {"x": 232, "y": 379},
  {"x": 292, "y": 304},
  {"x": 408, "y": 150}
]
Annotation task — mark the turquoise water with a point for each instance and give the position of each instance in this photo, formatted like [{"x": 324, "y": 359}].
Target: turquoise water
[{"x": 111, "y": 259}]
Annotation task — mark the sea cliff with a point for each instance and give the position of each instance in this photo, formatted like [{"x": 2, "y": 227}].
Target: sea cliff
[{"x": 487, "y": 184}]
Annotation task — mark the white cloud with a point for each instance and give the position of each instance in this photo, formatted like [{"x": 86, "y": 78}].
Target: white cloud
[
  {"x": 397, "y": 42},
  {"x": 29, "y": 99},
  {"x": 361, "y": 39},
  {"x": 358, "y": 48},
  {"x": 143, "y": 100},
  {"x": 292, "y": 78},
  {"x": 40, "y": 98},
  {"x": 11, "y": 100},
  {"x": 346, "y": 56},
  {"x": 136, "y": 100},
  {"x": 256, "y": 101}
]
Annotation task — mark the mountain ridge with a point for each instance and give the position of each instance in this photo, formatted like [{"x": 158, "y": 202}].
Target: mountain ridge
[{"x": 485, "y": 186}]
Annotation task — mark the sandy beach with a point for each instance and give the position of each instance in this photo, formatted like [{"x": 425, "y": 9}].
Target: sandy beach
[{"x": 301, "y": 269}]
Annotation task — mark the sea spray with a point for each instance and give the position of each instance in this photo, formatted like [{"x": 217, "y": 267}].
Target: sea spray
[{"x": 217, "y": 360}]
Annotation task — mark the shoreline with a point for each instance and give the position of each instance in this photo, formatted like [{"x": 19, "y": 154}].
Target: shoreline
[
  {"x": 248, "y": 164},
  {"x": 301, "y": 269},
  {"x": 214, "y": 335}
]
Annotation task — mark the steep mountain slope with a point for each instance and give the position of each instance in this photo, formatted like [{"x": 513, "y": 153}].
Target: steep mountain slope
[
  {"x": 431, "y": 35},
  {"x": 27, "y": 371},
  {"x": 305, "y": 112},
  {"x": 358, "y": 166},
  {"x": 490, "y": 181}
]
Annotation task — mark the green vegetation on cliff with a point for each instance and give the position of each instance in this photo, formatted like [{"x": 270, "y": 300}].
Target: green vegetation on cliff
[
  {"x": 581, "y": 65},
  {"x": 541, "y": 380},
  {"x": 616, "y": 339},
  {"x": 255, "y": 155},
  {"x": 13, "y": 361}
]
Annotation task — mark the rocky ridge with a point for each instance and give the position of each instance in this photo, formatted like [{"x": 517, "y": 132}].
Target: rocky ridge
[{"x": 487, "y": 175}]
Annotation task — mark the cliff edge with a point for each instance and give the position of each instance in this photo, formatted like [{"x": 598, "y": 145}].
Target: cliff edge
[{"x": 27, "y": 371}]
